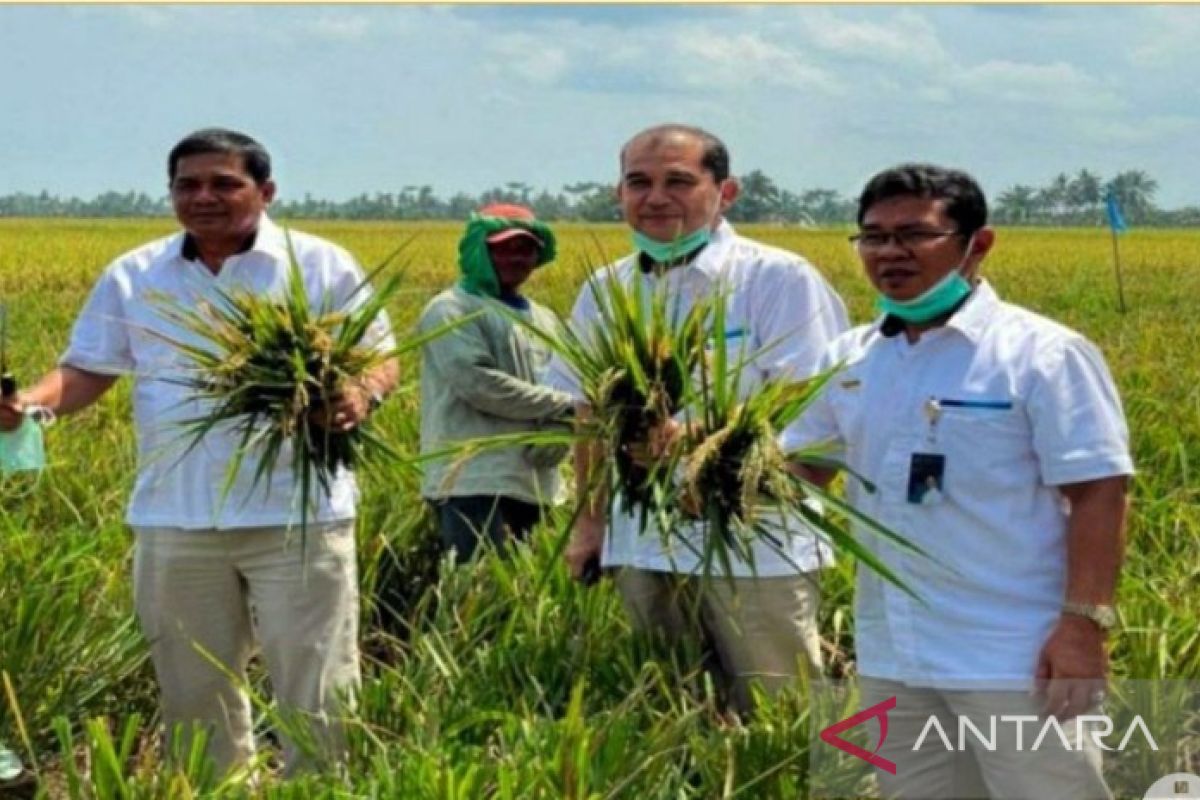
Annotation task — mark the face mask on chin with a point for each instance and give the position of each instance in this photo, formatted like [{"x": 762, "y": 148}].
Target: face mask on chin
[
  {"x": 937, "y": 300},
  {"x": 666, "y": 252}
]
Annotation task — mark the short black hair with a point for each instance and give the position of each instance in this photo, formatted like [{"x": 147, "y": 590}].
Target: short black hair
[
  {"x": 714, "y": 159},
  {"x": 965, "y": 203},
  {"x": 255, "y": 157}
]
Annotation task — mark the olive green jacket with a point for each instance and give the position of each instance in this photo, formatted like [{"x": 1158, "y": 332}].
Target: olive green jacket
[{"x": 481, "y": 379}]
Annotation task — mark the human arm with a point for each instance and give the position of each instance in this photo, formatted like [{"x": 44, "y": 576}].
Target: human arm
[
  {"x": 63, "y": 390},
  {"x": 587, "y": 536},
  {"x": 1082, "y": 445},
  {"x": 1073, "y": 662}
]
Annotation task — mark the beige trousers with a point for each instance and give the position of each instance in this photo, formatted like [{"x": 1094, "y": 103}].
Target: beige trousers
[
  {"x": 761, "y": 630},
  {"x": 1000, "y": 769},
  {"x": 220, "y": 593}
]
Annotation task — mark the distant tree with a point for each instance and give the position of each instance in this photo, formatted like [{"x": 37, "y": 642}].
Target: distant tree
[
  {"x": 825, "y": 206},
  {"x": 1065, "y": 200},
  {"x": 758, "y": 200},
  {"x": 1017, "y": 205},
  {"x": 1134, "y": 190},
  {"x": 1086, "y": 192},
  {"x": 461, "y": 205},
  {"x": 594, "y": 202},
  {"x": 1052, "y": 199},
  {"x": 551, "y": 206},
  {"x": 791, "y": 209}
]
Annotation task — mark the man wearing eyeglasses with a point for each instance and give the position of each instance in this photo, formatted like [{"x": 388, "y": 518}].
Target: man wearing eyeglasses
[{"x": 996, "y": 443}]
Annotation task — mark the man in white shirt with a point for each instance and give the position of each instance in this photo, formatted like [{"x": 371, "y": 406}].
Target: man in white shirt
[
  {"x": 214, "y": 577},
  {"x": 674, "y": 188},
  {"x": 995, "y": 441}
]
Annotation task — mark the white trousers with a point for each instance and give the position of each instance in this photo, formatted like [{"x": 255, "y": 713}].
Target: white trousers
[
  {"x": 760, "y": 629},
  {"x": 213, "y": 595},
  {"x": 1012, "y": 769}
]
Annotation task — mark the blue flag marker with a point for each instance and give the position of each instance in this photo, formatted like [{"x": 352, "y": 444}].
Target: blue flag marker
[{"x": 1116, "y": 220}]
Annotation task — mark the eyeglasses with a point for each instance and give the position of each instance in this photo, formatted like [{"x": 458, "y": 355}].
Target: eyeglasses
[{"x": 907, "y": 239}]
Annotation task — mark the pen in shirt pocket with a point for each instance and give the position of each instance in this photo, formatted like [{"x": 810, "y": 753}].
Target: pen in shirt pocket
[{"x": 951, "y": 402}]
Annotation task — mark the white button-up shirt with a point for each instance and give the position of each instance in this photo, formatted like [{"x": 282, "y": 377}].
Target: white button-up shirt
[
  {"x": 1016, "y": 405},
  {"x": 112, "y": 336},
  {"x": 777, "y": 303}
]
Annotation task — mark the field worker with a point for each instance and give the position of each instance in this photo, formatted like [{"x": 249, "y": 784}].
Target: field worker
[
  {"x": 213, "y": 578},
  {"x": 761, "y": 623},
  {"x": 996, "y": 442},
  {"x": 484, "y": 378}
]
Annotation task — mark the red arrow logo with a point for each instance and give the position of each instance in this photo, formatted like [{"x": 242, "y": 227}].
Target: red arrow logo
[{"x": 831, "y": 734}]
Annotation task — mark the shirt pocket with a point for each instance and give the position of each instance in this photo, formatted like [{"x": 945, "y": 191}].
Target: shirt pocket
[{"x": 988, "y": 435}]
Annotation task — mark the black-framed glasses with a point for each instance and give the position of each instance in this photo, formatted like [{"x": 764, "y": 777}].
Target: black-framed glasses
[{"x": 908, "y": 239}]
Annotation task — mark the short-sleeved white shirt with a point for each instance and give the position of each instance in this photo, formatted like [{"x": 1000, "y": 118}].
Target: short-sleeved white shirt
[
  {"x": 773, "y": 297},
  {"x": 112, "y": 336},
  {"x": 1023, "y": 405}
]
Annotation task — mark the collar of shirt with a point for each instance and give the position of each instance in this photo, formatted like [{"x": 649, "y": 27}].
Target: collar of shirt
[
  {"x": 970, "y": 318},
  {"x": 267, "y": 238},
  {"x": 708, "y": 259}
]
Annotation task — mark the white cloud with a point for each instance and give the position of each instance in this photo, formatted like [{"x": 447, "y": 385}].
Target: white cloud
[
  {"x": 1166, "y": 129},
  {"x": 708, "y": 58},
  {"x": 342, "y": 27},
  {"x": 1170, "y": 35},
  {"x": 907, "y": 38},
  {"x": 1057, "y": 85},
  {"x": 526, "y": 57}
]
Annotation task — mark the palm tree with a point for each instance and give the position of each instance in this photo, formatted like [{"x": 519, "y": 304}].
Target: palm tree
[
  {"x": 1134, "y": 190},
  {"x": 1017, "y": 204},
  {"x": 825, "y": 206},
  {"x": 1054, "y": 198},
  {"x": 1086, "y": 193},
  {"x": 758, "y": 200}
]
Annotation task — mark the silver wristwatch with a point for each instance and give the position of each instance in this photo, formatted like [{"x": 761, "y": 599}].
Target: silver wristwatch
[{"x": 1105, "y": 617}]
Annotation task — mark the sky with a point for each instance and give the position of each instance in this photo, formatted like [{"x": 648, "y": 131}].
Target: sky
[{"x": 366, "y": 98}]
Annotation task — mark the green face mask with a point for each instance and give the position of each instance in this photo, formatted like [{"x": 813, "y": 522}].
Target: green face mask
[
  {"x": 935, "y": 301},
  {"x": 666, "y": 252},
  {"x": 22, "y": 450}
]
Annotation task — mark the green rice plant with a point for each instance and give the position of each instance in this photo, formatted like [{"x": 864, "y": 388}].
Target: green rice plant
[
  {"x": 736, "y": 476},
  {"x": 272, "y": 366},
  {"x": 645, "y": 362},
  {"x": 634, "y": 367}
]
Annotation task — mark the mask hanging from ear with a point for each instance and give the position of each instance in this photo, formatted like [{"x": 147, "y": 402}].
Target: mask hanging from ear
[{"x": 935, "y": 301}]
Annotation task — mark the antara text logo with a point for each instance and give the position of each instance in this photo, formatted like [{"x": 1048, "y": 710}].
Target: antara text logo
[{"x": 1030, "y": 733}]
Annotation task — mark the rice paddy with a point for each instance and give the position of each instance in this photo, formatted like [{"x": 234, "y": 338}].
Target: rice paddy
[{"x": 505, "y": 680}]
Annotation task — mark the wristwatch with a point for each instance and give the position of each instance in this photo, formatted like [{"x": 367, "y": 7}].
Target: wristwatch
[{"x": 1105, "y": 617}]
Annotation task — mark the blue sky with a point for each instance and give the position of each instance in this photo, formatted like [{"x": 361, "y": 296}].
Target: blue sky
[{"x": 375, "y": 98}]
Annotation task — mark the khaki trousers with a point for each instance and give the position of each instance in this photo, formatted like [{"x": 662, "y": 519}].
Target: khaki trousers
[
  {"x": 760, "y": 630},
  {"x": 220, "y": 592},
  {"x": 1051, "y": 771}
]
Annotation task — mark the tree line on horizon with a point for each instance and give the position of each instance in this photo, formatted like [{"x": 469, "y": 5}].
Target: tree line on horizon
[{"x": 1067, "y": 200}]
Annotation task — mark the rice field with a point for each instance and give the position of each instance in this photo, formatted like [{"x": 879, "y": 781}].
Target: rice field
[{"x": 505, "y": 680}]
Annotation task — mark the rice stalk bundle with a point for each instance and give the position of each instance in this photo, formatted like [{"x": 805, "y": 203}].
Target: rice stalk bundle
[
  {"x": 269, "y": 366},
  {"x": 645, "y": 361},
  {"x": 732, "y": 474}
]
